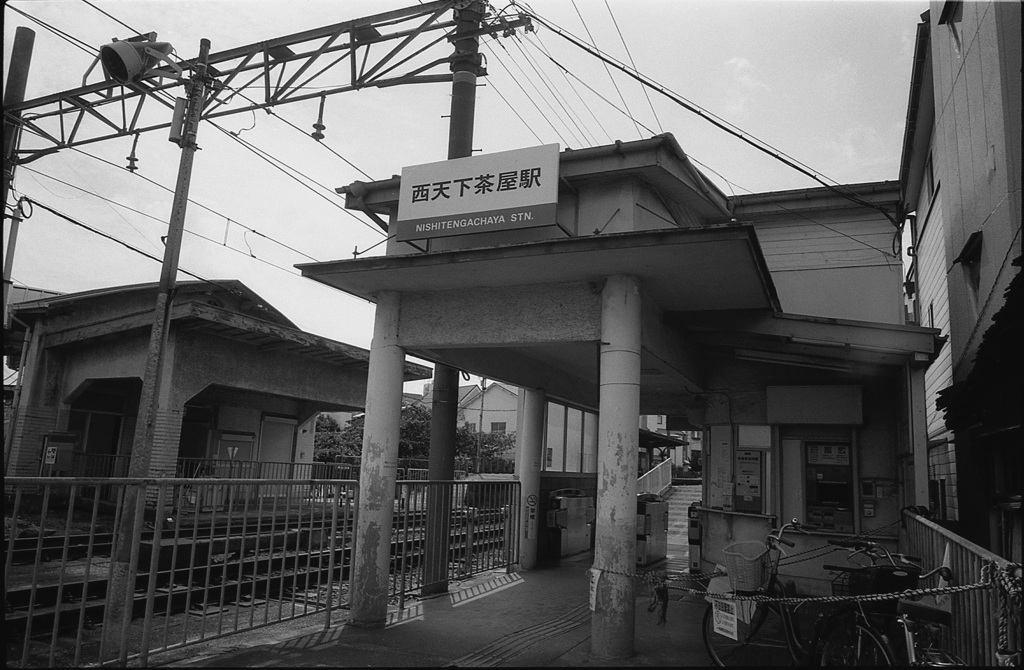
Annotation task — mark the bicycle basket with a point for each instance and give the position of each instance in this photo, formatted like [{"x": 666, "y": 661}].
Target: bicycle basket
[{"x": 747, "y": 565}]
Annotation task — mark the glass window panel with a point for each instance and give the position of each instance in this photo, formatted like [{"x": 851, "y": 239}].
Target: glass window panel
[
  {"x": 589, "y": 442},
  {"x": 556, "y": 437},
  {"x": 573, "y": 440}
]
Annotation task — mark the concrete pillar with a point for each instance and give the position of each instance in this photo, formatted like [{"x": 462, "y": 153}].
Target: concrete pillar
[
  {"x": 611, "y": 628},
  {"x": 379, "y": 467},
  {"x": 529, "y": 452},
  {"x": 444, "y": 418}
]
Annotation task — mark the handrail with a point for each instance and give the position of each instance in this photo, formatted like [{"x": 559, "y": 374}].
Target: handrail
[
  {"x": 655, "y": 480},
  {"x": 978, "y": 629}
]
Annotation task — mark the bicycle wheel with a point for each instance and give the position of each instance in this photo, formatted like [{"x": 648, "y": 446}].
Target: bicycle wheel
[
  {"x": 761, "y": 641},
  {"x": 847, "y": 640}
]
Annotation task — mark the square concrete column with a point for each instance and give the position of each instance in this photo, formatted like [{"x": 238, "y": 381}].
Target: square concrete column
[
  {"x": 612, "y": 633},
  {"x": 529, "y": 452},
  {"x": 379, "y": 466}
]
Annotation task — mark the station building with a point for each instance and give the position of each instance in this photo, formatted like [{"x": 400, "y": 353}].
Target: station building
[{"x": 632, "y": 286}]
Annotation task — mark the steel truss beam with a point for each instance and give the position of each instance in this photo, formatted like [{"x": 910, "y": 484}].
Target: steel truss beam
[{"x": 379, "y": 50}]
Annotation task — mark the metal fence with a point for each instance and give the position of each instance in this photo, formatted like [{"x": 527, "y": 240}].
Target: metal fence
[
  {"x": 189, "y": 572},
  {"x": 449, "y": 530},
  {"x": 980, "y": 625},
  {"x": 209, "y": 557}
]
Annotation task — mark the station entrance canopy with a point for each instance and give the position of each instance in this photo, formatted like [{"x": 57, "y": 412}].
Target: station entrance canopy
[{"x": 528, "y": 311}]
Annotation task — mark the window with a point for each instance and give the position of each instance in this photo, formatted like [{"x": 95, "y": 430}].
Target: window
[
  {"x": 570, "y": 439},
  {"x": 929, "y": 179},
  {"x": 970, "y": 260},
  {"x": 497, "y": 426},
  {"x": 471, "y": 426}
]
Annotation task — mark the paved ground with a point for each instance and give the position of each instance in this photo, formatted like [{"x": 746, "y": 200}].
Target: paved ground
[{"x": 531, "y": 618}]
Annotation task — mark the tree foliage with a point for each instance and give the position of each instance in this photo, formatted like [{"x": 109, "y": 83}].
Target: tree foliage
[{"x": 332, "y": 442}]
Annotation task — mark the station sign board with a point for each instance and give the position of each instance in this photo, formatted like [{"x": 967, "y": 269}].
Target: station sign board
[{"x": 477, "y": 194}]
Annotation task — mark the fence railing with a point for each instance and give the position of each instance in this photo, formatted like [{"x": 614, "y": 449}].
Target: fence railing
[
  {"x": 655, "y": 480},
  {"x": 979, "y": 625},
  {"x": 450, "y": 530},
  {"x": 210, "y": 557}
]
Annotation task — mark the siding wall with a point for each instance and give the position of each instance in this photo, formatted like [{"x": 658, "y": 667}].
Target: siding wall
[{"x": 835, "y": 264}]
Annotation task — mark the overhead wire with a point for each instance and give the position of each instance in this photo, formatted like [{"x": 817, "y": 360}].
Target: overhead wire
[
  {"x": 717, "y": 121},
  {"x": 190, "y": 232},
  {"x": 553, "y": 90},
  {"x": 614, "y": 83},
  {"x": 264, "y": 154},
  {"x": 529, "y": 97},
  {"x": 194, "y": 202},
  {"x": 74, "y": 41},
  {"x": 633, "y": 63},
  {"x": 543, "y": 48}
]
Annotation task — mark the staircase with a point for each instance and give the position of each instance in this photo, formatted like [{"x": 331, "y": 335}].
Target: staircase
[{"x": 679, "y": 497}]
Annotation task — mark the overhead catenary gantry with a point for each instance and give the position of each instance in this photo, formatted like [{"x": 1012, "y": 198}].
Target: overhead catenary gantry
[{"x": 386, "y": 49}]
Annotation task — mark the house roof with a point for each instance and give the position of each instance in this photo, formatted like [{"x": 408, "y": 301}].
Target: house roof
[{"x": 197, "y": 306}]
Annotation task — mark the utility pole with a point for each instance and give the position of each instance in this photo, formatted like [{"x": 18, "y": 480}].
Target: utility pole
[
  {"x": 17, "y": 80},
  {"x": 480, "y": 428},
  {"x": 444, "y": 407},
  {"x": 130, "y": 526}
]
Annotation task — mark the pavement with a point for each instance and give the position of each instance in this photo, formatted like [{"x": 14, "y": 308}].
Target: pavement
[{"x": 530, "y": 618}]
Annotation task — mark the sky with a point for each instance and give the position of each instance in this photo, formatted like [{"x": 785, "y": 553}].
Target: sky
[{"x": 823, "y": 82}]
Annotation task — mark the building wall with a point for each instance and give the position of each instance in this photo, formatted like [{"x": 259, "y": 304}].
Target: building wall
[
  {"x": 977, "y": 157},
  {"x": 499, "y": 406},
  {"x": 835, "y": 264},
  {"x": 976, "y": 153}
]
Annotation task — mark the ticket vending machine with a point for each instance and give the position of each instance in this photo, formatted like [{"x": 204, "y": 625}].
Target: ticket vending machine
[
  {"x": 829, "y": 487},
  {"x": 749, "y": 474}
]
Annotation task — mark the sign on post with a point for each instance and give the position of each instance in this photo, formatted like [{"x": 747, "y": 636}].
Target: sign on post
[{"x": 500, "y": 191}]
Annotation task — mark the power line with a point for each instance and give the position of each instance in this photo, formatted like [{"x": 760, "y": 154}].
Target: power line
[
  {"x": 720, "y": 123},
  {"x": 633, "y": 63},
  {"x": 190, "y": 232},
  {"x": 74, "y": 41},
  {"x": 614, "y": 83},
  {"x": 553, "y": 90},
  {"x": 540, "y": 45},
  {"x": 190, "y": 200},
  {"x": 112, "y": 17}
]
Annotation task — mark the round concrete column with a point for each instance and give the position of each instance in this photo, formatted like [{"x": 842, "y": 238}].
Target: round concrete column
[
  {"x": 612, "y": 622},
  {"x": 378, "y": 467},
  {"x": 530, "y": 450}
]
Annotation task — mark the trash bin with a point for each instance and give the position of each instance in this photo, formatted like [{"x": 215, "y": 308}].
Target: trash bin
[
  {"x": 651, "y": 528},
  {"x": 570, "y": 521}
]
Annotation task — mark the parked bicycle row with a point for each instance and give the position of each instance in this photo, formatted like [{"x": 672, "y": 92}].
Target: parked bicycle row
[{"x": 885, "y": 608}]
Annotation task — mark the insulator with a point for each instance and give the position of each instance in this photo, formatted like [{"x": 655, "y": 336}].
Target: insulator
[{"x": 319, "y": 126}]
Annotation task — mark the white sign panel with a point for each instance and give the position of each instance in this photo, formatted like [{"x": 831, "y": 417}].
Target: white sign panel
[{"x": 477, "y": 194}]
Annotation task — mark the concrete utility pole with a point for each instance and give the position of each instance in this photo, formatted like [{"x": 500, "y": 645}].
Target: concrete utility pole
[
  {"x": 17, "y": 81},
  {"x": 130, "y": 526},
  {"x": 444, "y": 407}
]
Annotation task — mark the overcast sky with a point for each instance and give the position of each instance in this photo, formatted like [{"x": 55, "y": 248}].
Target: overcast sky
[{"x": 825, "y": 82}]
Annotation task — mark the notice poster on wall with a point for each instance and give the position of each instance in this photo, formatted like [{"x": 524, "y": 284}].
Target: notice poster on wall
[{"x": 828, "y": 454}]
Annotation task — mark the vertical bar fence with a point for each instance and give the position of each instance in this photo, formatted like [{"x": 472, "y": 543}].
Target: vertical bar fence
[
  {"x": 211, "y": 557},
  {"x": 983, "y": 621}
]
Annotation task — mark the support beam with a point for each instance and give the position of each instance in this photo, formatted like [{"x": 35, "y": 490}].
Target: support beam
[
  {"x": 529, "y": 452},
  {"x": 612, "y": 624},
  {"x": 379, "y": 467}
]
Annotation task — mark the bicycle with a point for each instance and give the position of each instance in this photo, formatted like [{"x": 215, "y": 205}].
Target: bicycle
[
  {"x": 749, "y": 632},
  {"x": 866, "y": 633}
]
